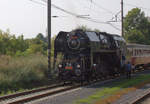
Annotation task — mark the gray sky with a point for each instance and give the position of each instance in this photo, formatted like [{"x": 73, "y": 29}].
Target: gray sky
[{"x": 28, "y": 18}]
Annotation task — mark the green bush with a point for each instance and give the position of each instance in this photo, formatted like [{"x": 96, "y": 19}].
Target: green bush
[{"x": 22, "y": 72}]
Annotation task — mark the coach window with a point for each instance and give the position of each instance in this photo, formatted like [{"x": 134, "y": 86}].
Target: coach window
[
  {"x": 133, "y": 52},
  {"x": 136, "y": 52},
  {"x": 141, "y": 52}
]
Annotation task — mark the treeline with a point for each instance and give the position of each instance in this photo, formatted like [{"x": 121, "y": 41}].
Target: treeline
[
  {"x": 18, "y": 46},
  {"x": 136, "y": 28},
  {"x": 23, "y": 62}
]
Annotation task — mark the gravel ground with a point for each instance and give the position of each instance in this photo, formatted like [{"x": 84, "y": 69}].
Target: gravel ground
[
  {"x": 133, "y": 96},
  {"x": 146, "y": 101},
  {"x": 70, "y": 97}
]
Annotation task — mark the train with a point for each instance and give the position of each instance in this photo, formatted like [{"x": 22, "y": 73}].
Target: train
[
  {"x": 138, "y": 55},
  {"x": 88, "y": 55}
]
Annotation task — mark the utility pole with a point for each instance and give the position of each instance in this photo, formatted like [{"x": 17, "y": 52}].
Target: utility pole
[
  {"x": 49, "y": 36},
  {"x": 122, "y": 26}
]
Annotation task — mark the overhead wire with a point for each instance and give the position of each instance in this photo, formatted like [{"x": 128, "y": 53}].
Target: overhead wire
[
  {"x": 99, "y": 6},
  {"x": 76, "y": 15},
  {"x": 88, "y": 19},
  {"x": 38, "y": 2},
  {"x": 115, "y": 18},
  {"x": 108, "y": 11},
  {"x": 114, "y": 26},
  {"x": 98, "y": 12}
]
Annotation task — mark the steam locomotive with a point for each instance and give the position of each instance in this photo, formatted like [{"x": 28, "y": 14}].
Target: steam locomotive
[{"x": 88, "y": 55}]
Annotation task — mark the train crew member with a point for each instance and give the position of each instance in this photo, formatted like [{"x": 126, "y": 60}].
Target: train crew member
[
  {"x": 123, "y": 60},
  {"x": 128, "y": 69}
]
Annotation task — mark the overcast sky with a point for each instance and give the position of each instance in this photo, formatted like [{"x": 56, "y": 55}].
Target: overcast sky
[{"x": 28, "y": 18}]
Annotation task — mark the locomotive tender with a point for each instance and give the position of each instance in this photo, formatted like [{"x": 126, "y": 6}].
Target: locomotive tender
[{"x": 88, "y": 55}]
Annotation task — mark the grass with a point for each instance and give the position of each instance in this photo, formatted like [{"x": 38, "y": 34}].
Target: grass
[
  {"x": 21, "y": 73},
  {"x": 116, "y": 87}
]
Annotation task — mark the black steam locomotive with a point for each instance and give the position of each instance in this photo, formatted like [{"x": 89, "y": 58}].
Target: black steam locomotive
[{"x": 88, "y": 55}]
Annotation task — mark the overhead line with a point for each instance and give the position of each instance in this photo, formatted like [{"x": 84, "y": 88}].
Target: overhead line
[
  {"x": 88, "y": 19},
  {"x": 76, "y": 15},
  {"x": 101, "y": 7},
  {"x": 73, "y": 14},
  {"x": 38, "y": 2},
  {"x": 114, "y": 26}
]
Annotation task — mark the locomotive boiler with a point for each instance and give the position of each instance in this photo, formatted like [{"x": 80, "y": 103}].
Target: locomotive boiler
[{"x": 88, "y": 55}]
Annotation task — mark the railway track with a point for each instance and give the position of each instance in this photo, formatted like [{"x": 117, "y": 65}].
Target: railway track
[
  {"x": 140, "y": 99},
  {"x": 27, "y": 96}
]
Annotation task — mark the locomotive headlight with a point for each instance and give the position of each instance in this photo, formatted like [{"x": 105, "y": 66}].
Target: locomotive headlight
[
  {"x": 60, "y": 66},
  {"x": 94, "y": 65},
  {"x": 78, "y": 66}
]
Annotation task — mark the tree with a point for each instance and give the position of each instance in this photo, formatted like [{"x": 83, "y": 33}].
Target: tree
[
  {"x": 40, "y": 36},
  {"x": 137, "y": 27},
  {"x": 52, "y": 45},
  {"x": 35, "y": 48}
]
